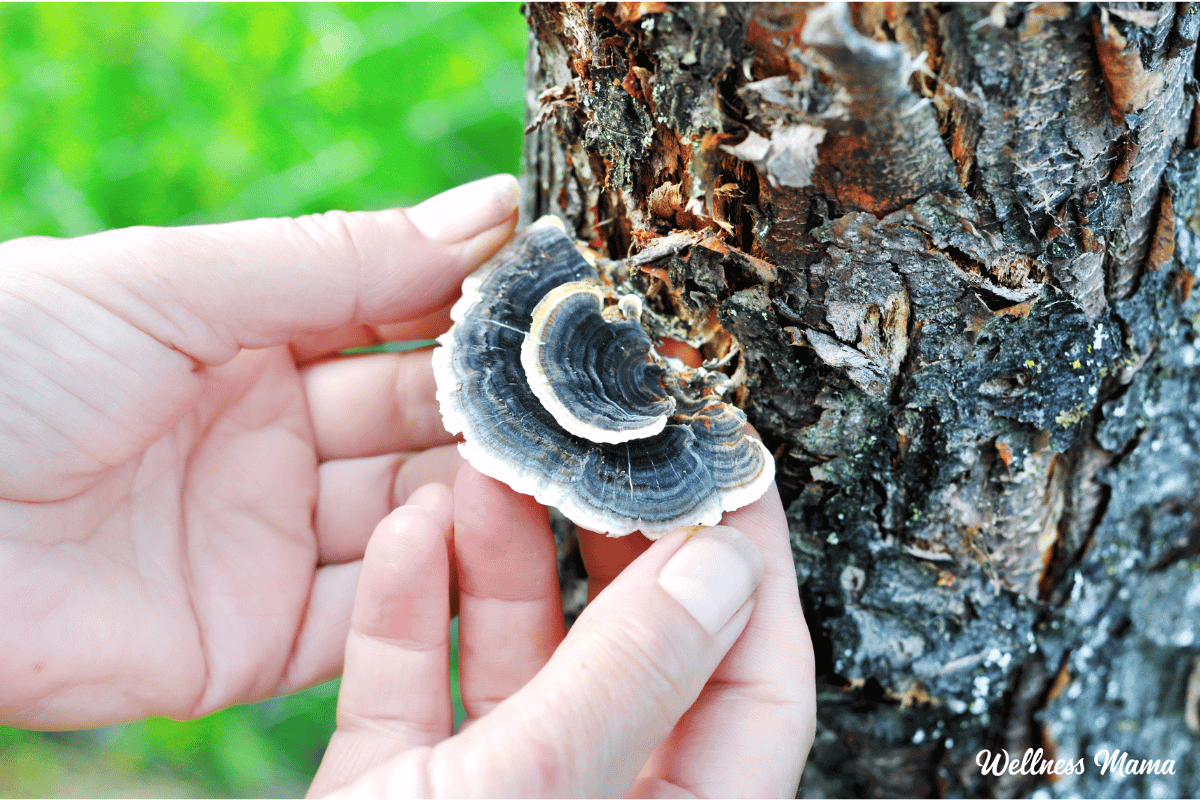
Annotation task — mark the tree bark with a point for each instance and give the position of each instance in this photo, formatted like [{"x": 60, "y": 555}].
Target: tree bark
[{"x": 948, "y": 251}]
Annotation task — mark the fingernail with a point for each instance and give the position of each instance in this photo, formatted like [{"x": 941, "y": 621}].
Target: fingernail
[
  {"x": 713, "y": 575},
  {"x": 460, "y": 213}
]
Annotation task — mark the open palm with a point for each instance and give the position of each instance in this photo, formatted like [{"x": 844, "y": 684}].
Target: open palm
[{"x": 187, "y": 480}]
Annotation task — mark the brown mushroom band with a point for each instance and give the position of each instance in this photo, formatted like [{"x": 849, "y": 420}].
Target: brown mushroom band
[{"x": 694, "y": 466}]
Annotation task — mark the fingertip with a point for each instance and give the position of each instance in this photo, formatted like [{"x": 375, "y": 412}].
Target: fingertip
[
  {"x": 402, "y": 589},
  {"x": 435, "y": 498},
  {"x": 460, "y": 213},
  {"x": 401, "y": 539}
]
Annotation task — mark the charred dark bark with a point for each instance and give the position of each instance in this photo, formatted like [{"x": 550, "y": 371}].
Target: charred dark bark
[{"x": 956, "y": 246}]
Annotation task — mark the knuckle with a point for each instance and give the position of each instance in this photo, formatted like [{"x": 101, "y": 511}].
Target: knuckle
[{"x": 345, "y": 236}]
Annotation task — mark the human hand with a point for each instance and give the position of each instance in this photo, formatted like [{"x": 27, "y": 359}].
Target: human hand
[
  {"x": 187, "y": 477},
  {"x": 641, "y": 697}
]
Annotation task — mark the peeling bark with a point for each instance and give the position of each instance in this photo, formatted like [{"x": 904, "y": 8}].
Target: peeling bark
[{"x": 948, "y": 253}]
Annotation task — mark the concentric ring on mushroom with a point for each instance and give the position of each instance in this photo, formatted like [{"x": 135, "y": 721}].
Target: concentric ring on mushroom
[{"x": 559, "y": 392}]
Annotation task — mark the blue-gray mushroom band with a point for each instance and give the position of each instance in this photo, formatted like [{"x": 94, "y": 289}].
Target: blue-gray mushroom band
[{"x": 558, "y": 391}]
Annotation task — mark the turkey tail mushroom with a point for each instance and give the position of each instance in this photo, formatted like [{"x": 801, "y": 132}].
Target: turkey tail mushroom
[{"x": 563, "y": 398}]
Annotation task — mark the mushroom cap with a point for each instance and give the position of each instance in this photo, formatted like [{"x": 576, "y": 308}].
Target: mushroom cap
[
  {"x": 539, "y": 382},
  {"x": 596, "y": 378}
]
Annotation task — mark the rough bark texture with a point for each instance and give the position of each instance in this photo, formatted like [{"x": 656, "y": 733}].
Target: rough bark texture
[{"x": 949, "y": 252}]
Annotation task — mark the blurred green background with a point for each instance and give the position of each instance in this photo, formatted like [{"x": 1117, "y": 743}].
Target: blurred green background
[{"x": 114, "y": 115}]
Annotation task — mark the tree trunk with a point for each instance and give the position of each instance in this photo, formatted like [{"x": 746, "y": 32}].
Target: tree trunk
[{"x": 954, "y": 246}]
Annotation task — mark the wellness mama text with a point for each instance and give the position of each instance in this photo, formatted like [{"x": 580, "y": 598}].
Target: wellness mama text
[{"x": 1115, "y": 762}]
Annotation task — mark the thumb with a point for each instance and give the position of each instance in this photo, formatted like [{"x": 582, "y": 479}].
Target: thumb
[
  {"x": 633, "y": 663},
  {"x": 114, "y": 311},
  {"x": 209, "y": 290}
]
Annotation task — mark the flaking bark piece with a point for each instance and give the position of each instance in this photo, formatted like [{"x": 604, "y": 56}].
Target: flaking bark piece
[{"x": 699, "y": 465}]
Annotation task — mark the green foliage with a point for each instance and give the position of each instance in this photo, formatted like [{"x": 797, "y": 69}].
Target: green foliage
[
  {"x": 114, "y": 115},
  {"x": 170, "y": 114}
]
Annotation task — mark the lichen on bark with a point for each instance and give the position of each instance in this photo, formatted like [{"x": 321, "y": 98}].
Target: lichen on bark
[{"x": 947, "y": 252}]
